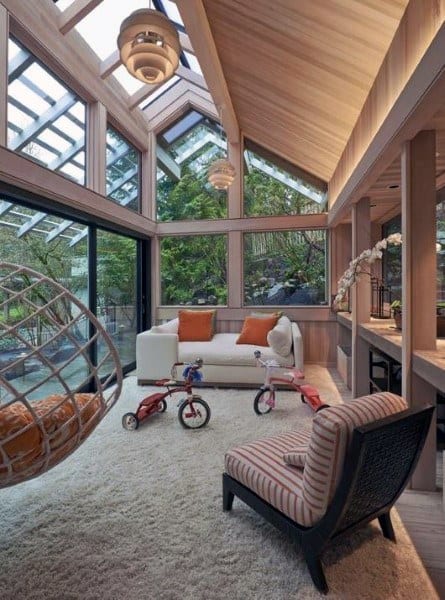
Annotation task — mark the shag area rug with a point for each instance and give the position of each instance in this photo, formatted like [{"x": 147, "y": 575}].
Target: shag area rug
[{"x": 137, "y": 516}]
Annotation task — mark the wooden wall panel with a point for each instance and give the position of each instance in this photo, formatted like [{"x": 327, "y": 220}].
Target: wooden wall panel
[{"x": 418, "y": 27}]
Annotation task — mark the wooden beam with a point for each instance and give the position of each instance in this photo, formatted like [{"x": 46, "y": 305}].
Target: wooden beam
[
  {"x": 142, "y": 94},
  {"x": 185, "y": 42},
  {"x": 419, "y": 283},
  {"x": 412, "y": 66},
  {"x": 72, "y": 15},
  {"x": 190, "y": 75},
  {"x": 110, "y": 64},
  {"x": 4, "y": 35},
  {"x": 361, "y": 299},
  {"x": 28, "y": 176},
  {"x": 169, "y": 166},
  {"x": 196, "y": 23},
  {"x": 96, "y": 147}
]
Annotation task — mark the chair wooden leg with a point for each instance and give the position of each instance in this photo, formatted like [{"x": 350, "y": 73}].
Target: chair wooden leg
[
  {"x": 316, "y": 571},
  {"x": 227, "y": 495},
  {"x": 386, "y": 525}
]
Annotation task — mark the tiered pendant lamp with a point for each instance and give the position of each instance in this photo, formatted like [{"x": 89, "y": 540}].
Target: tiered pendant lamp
[
  {"x": 149, "y": 46},
  {"x": 221, "y": 172}
]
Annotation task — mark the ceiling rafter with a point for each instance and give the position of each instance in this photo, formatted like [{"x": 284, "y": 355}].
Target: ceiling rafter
[
  {"x": 188, "y": 100},
  {"x": 196, "y": 23},
  {"x": 72, "y": 15}
]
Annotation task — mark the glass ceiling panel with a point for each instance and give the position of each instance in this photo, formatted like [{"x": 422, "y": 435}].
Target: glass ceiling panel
[
  {"x": 159, "y": 91},
  {"x": 63, "y": 4},
  {"x": 193, "y": 62},
  {"x": 172, "y": 12},
  {"x": 101, "y": 38}
]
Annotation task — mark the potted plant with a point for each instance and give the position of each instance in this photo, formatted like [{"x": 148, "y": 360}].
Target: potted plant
[{"x": 396, "y": 308}]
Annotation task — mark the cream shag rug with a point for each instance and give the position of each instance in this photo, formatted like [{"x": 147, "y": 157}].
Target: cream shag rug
[{"x": 137, "y": 515}]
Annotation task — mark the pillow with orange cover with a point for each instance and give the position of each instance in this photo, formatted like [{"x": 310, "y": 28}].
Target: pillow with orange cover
[
  {"x": 196, "y": 325},
  {"x": 255, "y": 330}
]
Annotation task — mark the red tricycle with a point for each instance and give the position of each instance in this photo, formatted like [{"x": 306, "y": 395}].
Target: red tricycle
[
  {"x": 193, "y": 413},
  {"x": 265, "y": 398}
]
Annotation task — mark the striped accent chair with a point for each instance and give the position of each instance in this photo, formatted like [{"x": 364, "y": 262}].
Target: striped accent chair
[{"x": 355, "y": 462}]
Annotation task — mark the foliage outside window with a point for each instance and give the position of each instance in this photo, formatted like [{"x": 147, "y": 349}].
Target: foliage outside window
[
  {"x": 272, "y": 187},
  {"x": 46, "y": 120},
  {"x": 392, "y": 259},
  {"x": 194, "y": 270},
  {"x": 285, "y": 268},
  {"x": 123, "y": 171},
  {"x": 184, "y": 152}
]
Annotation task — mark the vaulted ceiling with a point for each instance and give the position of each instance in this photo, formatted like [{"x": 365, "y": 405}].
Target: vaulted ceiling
[{"x": 299, "y": 71}]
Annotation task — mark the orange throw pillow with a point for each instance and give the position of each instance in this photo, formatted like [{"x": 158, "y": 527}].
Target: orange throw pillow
[
  {"x": 196, "y": 325},
  {"x": 255, "y": 330}
]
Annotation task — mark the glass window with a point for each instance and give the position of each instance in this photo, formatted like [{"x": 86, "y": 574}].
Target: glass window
[
  {"x": 46, "y": 120},
  {"x": 116, "y": 292},
  {"x": 123, "y": 171},
  {"x": 194, "y": 270},
  {"x": 285, "y": 268},
  {"x": 272, "y": 186},
  {"x": 392, "y": 259},
  {"x": 185, "y": 151}
]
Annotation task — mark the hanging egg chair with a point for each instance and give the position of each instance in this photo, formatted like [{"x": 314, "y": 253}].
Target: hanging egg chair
[{"x": 52, "y": 349}]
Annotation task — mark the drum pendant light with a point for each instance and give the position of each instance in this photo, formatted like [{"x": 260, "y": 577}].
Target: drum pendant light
[
  {"x": 221, "y": 173},
  {"x": 149, "y": 46}
]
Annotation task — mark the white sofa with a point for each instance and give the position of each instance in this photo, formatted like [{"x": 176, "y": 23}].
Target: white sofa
[{"x": 226, "y": 363}]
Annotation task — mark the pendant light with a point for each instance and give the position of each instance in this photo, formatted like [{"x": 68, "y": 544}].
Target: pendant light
[
  {"x": 149, "y": 46},
  {"x": 221, "y": 173}
]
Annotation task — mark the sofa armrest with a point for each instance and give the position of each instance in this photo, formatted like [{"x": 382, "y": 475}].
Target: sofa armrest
[
  {"x": 297, "y": 346},
  {"x": 155, "y": 354}
]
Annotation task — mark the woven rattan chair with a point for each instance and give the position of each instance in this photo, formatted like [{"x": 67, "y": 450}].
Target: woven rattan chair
[
  {"x": 48, "y": 339},
  {"x": 378, "y": 460}
]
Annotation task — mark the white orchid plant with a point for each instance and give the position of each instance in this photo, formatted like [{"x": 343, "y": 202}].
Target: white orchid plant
[{"x": 357, "y": 266}]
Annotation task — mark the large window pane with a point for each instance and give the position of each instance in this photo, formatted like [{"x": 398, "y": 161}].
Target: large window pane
[
  {"x": 116, "y": 292},
  {"x": 28, "y": 237},
  {"x": 285, "y": 268},
  {"x": 274, "y": 187},
  {"x": 46, "y": 120},
  {"x": 185, "y": 151},
  {"x": 194, "y": 270},
  {"x": 123, "y": 171}
]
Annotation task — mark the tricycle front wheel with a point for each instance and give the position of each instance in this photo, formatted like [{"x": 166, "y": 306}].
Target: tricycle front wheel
[
  {"x": 260, "y": 404},
  {"x": 194, "y": 414},
  {"x": 130, "y": 421}
]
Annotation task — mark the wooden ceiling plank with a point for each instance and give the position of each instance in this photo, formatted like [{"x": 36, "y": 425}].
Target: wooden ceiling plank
[
  {"x": 77, "y": 11},
  {"x": 196, "y": 23}
]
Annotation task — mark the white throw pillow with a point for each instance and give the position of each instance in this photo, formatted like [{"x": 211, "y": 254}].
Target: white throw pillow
[
  {"x": 169, "y": 327},
  {"x": 280, "y": 337}
]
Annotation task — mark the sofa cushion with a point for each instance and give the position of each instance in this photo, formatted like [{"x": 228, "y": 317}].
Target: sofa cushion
[
  {"x": 169, "y": 327},
  {"x": 196, "y": 325},
  {"x": 223, "y": 350},
  {"x": 255, "y": 330},
  {"x": 280, "y": 337},
  {"x": 259, "y": 466},
  {"x": 331, "y": 436}
]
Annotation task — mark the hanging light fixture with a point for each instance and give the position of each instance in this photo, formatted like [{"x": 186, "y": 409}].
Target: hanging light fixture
[
  {"x": 149, "y": 46},
  {"x": 221, "y": 172}
]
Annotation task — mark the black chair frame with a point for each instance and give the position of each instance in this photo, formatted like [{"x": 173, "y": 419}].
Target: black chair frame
[{"x": 378, "y": 466}]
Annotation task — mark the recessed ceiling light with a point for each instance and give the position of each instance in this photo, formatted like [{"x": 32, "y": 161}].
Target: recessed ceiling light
[{"x": 393, "y": 186}]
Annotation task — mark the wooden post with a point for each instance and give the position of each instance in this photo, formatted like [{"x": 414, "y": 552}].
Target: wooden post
[
  {"x": 96, "y": 147},
  {"x": 148, "y": 179},
  {"x": 361, "y": 299},
  {"x": 419, "y": 283},
  {"x": 235, "y": 269},
  {"x": 235, "y": 191},
  {"x": 4, "y": 37}
]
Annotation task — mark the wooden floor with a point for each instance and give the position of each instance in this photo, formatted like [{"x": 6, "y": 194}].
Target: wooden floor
[{"x": 424, "y": 518}]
